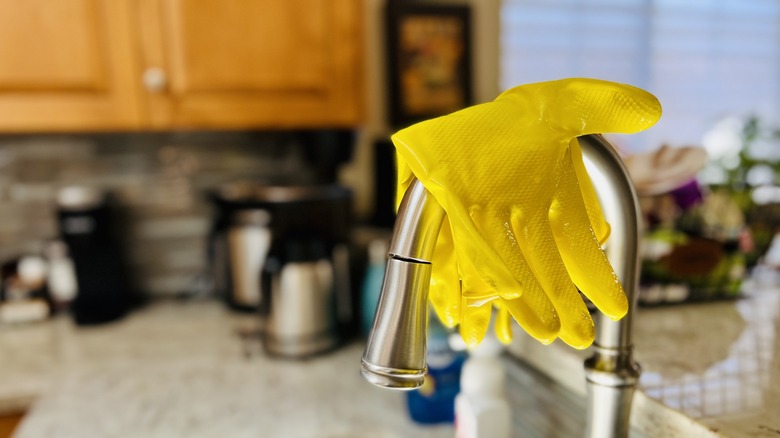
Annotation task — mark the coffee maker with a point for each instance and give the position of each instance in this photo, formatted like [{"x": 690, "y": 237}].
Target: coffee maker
[{"x": 284, "y": 250}]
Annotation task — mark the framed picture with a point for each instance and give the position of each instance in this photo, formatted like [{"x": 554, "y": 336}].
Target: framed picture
[{"x": 429, "y": 50}]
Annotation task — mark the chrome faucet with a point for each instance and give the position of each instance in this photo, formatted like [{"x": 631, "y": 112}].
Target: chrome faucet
[{"x": 395, "y": 353}]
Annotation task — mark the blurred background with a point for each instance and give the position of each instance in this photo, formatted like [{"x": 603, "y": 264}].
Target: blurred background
[{"x": 196, "y": 197}]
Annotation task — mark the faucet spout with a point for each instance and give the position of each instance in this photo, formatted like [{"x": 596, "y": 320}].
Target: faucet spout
[{"x": 395, "y": 353}]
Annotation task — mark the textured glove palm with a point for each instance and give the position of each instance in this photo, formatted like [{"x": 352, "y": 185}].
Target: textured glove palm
[{"x": 523, "y": 223}]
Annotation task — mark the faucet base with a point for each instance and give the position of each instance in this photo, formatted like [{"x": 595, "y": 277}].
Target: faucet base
[
  {"x": 611, "y": 377},
  {"x": 609, "y": 408},
  {"x": 393, "y": 378}
]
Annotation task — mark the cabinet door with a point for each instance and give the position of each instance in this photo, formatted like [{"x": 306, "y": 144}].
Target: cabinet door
[
  {"x": 66, "y": 65},
  {"x": 253, "y": 63}
]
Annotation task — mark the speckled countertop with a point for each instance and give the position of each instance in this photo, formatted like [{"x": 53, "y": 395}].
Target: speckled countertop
[{"x": 181, "y": 369}]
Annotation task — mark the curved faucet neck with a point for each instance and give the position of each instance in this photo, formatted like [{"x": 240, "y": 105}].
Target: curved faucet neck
[{"x": 620, "y": 206}]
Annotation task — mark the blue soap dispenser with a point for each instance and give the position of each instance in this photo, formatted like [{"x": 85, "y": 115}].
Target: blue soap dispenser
[{"x": 434, "y": 401}]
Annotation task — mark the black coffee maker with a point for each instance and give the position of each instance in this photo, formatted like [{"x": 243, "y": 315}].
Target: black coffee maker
[{"x": 88, "y": 226}]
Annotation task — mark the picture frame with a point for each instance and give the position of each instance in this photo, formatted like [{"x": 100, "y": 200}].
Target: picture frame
[{"x": 429, "y": 60}]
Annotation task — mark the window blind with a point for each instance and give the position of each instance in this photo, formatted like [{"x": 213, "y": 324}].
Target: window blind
[{"x": 706, "y": 60}]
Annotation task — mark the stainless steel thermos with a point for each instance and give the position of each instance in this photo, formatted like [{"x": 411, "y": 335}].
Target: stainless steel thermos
[{"x": 299, "y": 299}]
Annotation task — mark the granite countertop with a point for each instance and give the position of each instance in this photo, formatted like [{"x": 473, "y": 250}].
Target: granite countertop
[{"x": 183, "y": 369}]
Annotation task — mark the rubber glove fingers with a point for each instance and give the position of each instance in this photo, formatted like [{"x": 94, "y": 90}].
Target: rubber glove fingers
[
  {"x": 502, "y": 323},
  {"x": 475, "y": 320},
  {"x": 541, "y": 325},
  {"x": 596, "y": 217},
  {"x": 539, "y": 319},
  {"x": 445, "y": 290},
  {"x": 535, "y": 236},
  {"x": 482, "y": 255},
  {"x": 580, "y": 250},
  {"x": 537, "y": 315}
]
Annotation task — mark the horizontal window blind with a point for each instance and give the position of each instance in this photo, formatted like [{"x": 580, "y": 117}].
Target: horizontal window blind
[{"x": 706, "y": 60}]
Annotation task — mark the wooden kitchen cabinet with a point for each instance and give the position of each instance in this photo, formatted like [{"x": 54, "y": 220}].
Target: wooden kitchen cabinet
[
  {"x": 249, "y": 62},
  {"x": 180, "y": 64},
  {"x": 66, "y": 66}
]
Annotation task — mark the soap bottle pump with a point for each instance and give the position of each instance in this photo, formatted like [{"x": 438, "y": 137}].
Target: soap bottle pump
[{"x": 481, "y": 408}]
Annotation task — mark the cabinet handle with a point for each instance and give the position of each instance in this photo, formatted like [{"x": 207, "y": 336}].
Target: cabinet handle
[{"x": 154, "y": 79}]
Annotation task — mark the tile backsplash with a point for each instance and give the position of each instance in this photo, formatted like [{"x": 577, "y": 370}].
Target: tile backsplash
[{"x": 159, "y": 180}]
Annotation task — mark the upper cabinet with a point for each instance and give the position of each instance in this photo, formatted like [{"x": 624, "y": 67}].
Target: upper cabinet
[
  {"x": 65, "y": 66},
  {"x": 169, "y": 64},
  {"x": 249, "y": 62}
]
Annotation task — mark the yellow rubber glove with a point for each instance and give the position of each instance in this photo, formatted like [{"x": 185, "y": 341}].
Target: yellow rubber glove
[{"x": 523, "y": 224}]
